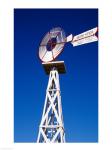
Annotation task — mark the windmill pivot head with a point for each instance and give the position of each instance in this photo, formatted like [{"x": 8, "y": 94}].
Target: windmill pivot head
[{"x": 56, "y": 65}]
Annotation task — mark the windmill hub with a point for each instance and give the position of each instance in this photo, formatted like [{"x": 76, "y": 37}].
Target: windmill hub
[{"x": 51, "y": 44}]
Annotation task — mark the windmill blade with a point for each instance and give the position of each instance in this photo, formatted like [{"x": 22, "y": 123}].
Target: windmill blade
[{"x": 85, "y": 37}]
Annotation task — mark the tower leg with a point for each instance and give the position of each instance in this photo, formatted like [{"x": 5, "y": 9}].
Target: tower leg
[{"x": 51, "y": 127}]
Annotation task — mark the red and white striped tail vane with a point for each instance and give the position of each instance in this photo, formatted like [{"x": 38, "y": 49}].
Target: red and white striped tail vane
[{"x": 54, "y": 41}]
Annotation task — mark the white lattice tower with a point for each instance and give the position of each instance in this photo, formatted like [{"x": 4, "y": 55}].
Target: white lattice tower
[{"x": 52, "y": 127}]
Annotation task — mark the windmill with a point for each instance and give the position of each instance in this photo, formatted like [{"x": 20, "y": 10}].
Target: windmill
[{"x": 51, "y": 127}]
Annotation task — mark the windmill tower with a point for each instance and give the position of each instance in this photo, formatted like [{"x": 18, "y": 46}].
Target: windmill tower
[{"x": 51, "y": 127}]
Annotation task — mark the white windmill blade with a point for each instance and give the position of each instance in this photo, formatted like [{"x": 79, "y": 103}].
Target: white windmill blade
[{"x": 83, "y": 38}]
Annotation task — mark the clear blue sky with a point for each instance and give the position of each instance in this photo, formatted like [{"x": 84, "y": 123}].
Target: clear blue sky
[{"x": 79, "y": 86}]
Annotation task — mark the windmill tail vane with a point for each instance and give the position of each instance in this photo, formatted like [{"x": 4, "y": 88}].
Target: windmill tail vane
[{"x": 83, "y": 38}]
